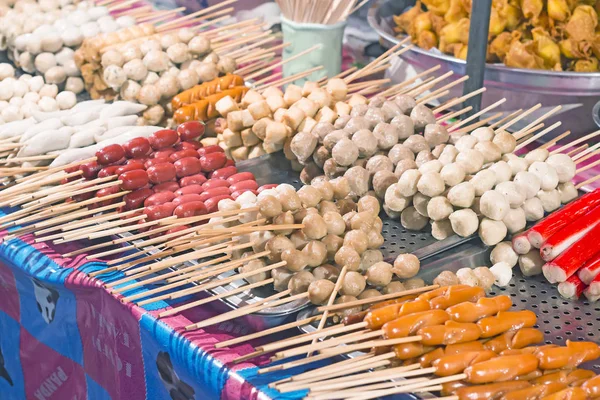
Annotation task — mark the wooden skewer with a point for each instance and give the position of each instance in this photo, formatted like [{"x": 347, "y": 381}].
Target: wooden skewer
[
  {"x": 519, "y": 134},
  {"x": 291, "y": 78},
  {"x": 458, "y": 100},
  {"x": 123, "y": 4},
  {"x": 21, "y": 189},
  {"x": 245, "y": 50},
  {"x": 26, "y": 197},
  {"x": 379, "y": 60},
  {"x": 361, "y": 85},
  {"x": 334, "y": 292},
  {"x": 438, "y": 93},
  {"x": 520, "y": 117},
  {"x": 407, "y": 82},
  {"x": 485, "y": 121},
  {"x": 407, "y": 388},
  {"x": 476, "y": 115},
  {"x": 507, "y": 118},
  {"x": 376, "y": 299},
  {"x": 202, "y": 12},
  {"x": 234, "y": 43},
  {"x": 340, "y": 394},
  {"x": 575, "y": 142},
  {"x": 359, "y": 379},
  {"x": 295, "y": 56},
  {"x": 583, "y": 169},
  {"x": 266, "y": 332},
  {"x": 449, "y": 116},
  {"x": 537, "y": 136},
  {"x": 37, "y": 176},
  {"x": 84, "y": 232},
  {"x": 326, "y": 344},
  {"x": 586, "y": 157},
  {"x": 552, "y": 142},
  {"x": 586, "y": 151},
  {"x": 587, "y": 182},
  {"x": 423, "y": 88},
  {"x": 248, "y": 310},
  {"x": 197, "y": 303},
  {"x": 30, "y": 158},
  {"x": 580, "y": 149},
  {"x": 254, "y": 54},
  {"x": 217, "y": 39},
  {"x": 342, "y": 74},
  {"x": 211, "y": 285},
  {"x": 164, "y": 14}
]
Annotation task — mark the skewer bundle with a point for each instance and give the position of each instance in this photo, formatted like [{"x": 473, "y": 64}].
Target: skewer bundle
[
  {"x": 474, "y": 347},
  {"x": 319, "y": 12}
]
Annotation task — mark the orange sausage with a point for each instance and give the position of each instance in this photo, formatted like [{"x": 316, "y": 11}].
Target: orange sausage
[
  {"x": 456, "y": 295},
  {"x": 449, "y": 333},
  {"x": 535, "y": 392},
  {"x": 501, "y": 369},
  {"x": 205, "y": 89},
  {"x": 532, "y": 375},
  {"x": 574, "y": 377},
  {"x": 375, "y": 319},
  {"x": 485, "y": 307},
  {"x": 492, "y": 391},
  {"x": 570, "y": 356},
  {"x": 441, "y": 291},
  {"x": 427, "y": 359},
  {"x": 407, "y": 351},
  {"x": 410, "y": 324},
  {"x": 205, "y": 109},
  {"x": 527, "y": 350},
  {"x": 457, "y": 363},
  {"x": 449, "y": 388},
  {"x": 573, "y": 393},
  {"x": 515, "y": 340},
  {"x": 592, "y": 387},
  {"x": 399, "y": 300},
  {"x": 506, "y": 321}
]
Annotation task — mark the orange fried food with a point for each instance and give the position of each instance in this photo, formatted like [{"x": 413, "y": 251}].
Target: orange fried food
[
  {"x": 532, "y": 8},
  {"x": 457, "y": 32},
  {"x": 590, "y": 65},
  {"x": 455, "y": 12},
  {"x": 500, "y": 45},
  {"x": 546, "y": 48},
  {"x": 404, "y": 20},
  {"x": 558, "y": 10},
  {"x": 427, "y": 40},
  {"x": 582, "y": 24},
  {"x": 522, "y": 55},
  {"x": 439, "y": 7}
]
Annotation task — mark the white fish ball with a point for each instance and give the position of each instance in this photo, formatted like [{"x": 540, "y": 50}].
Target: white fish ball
[
  {"x": 494, "y": 205},
  {"x": 492, "y": 232},
  {"x": 504, "y": 252}
]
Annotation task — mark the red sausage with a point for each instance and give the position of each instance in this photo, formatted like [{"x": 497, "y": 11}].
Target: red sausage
[
  {"x": 236, "y": 194},
  {"x": 190, "y": 189},
  {"x": 223, "y": 173},
  {"x": 183, "y": 153},
  {"x": 135, "y": 200},
  {"x": 210, "y": 149},
  {"x": 163, "y": 139},
  {"x": 166, "y": 153},
  {"x": 241, "y": 176},
  {"x": 108, "y": 171},
  {"x": 213, "y": 203},
  {"x": 214, "y": 183},
  {"x": 188, "y": 145},
  {"x": 90, "y": 170},
  {"x": 155, "y": 161},
  {"x": 187, "y": 166},
  {"x": 219, "y": 191},
  {"x": 110, "y": 154},
  {"x": 191, "y": 209},
  {"x": 191, "y": 130},
  {"x": 161, "y": 173},
  {"x": 178, "y": 229},
  {"x": 166, "y": 187},
  {"x": 229, "y": 163},
  {"x": 268, "y": 186},
  {"x": 159, "y": 211},
  {"x": 137, "y": 148},
  {"x": 212, "y": 161},
  {"x": 186, "y": 198},
  {"x": 130, "y": 166},
  {"x": 159, "y": 198},
  {"x": 197, "y": 179},
  {"x": 133, "y": 180},
  {"x": 249, "y": 184},
  {"x": 83, "y": 196},
  {"x": 106, "y": 192}
]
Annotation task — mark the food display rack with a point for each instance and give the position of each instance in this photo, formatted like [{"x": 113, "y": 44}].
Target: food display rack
[{"x": 522, "y": 88}]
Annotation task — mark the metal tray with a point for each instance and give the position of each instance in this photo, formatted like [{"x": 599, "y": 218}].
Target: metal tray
[{"x": 521, "y": 87}]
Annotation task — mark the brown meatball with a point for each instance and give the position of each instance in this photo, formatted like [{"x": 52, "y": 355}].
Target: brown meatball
[
  {"x": 386, "y": 134},
  {"x": 368, "y": 294},
  {"x": 335, "y": 223},
  {"x": 345, "y": 152},
  {"x": 300, "y": 282},
  {"x": 405, "y": 125},
  {"x": 347, "y": 205},
  {"x": 299, "y": 239},
  {"x": 325, "y": 188},
  {"x": 319, "y": 291},
  {"x": 314, "y": 226},
  {"x": 327, "y": 271},
  {"x": 369, "y": 258},
  {"x": 290, "y": 201},
  {"x": 347, "y": 256},
  {"x": 423, "y": 157},
  {"x": 333, "y": 244},
  {"x": 358, "y": 179},
  {"x": 285, "y": 218},
  {"x": 393, "y": 287},
  {"x": 379, "y": 163},
  {"x": 348, "y": 219},
  {"x": 416, "y": 143},
  {"x": 435, "y": 134},
  {"x": 332, "y": 170},
  {"x": 269, "y": 206},
  {"x": 357, "y": 123},
  {"x": 327, "y": 206},
  {"x": 341, "y": 187},
  {"x": 354, "y": 284},
  {"x": 422, "y": 116},
  {"x": 403, "y": 166},
  {"x": 405, "y": 102},
  {"x": 400, "y": 152},
  {"x": 379, "y": 274},
  {"x": 322, "y": 129},
  {"x": 309, "y": 172},
  {"x": 358, "y": 240},
  {"x": 485, "y": 277},
  {"x": 277, "y": 245},
  {"x": 366, "y": 143},
  {"x": 334, "y": 137},
  {"x": 350, "y": 310},
  {"x": 382, "y": 180},
  {"x": 303, "y": 212},
  {"x": 446, "y": 278},
  {"x": 316, "y": 253},
  {"x": 414, "y": 283},
  {"x": 281, "y": 277},
  {"x": 406, "y": 266},
  {"x": 363, "y": 220},
  {"x": 320, "y": 156},
  {"x": 295, "y": 259},
  {"x": 369, "y": 204},
  {"x": 376, "y": 239},
  {"x": 309, "y": 196},
  {"x": 253, "y": 265}
]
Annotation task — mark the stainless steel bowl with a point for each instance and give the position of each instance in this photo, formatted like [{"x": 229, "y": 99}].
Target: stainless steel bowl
[{"x": 578, "y": 93}]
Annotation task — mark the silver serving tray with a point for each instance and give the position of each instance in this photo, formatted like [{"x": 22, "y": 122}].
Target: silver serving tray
[{"x": 523, "y": 88}]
